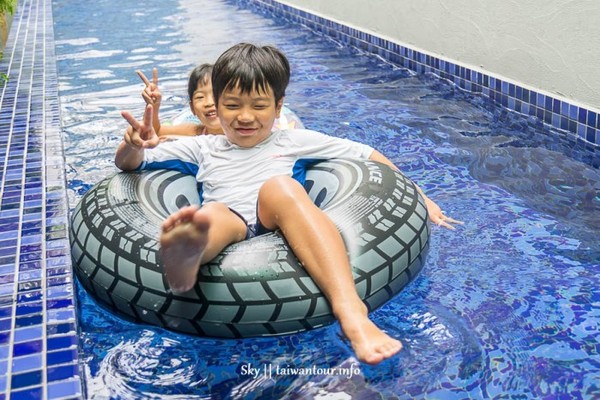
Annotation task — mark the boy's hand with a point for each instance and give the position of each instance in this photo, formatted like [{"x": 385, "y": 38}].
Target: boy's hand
[
  {"x": 140, "y": 135},
  {"x": 436, "y": 215},
  {"x": 151, "y": 94}
]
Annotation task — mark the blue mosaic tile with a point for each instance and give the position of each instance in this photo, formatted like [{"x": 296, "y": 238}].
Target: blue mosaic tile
[
  {"x": 28, "y": 333},
  {"x": 29, "y": 296},
  {"x": 26, "y": 348},
  {"x": 68, "y": 389},
  {"x": 61, "y": 328},
  {"x": 4, "y": 350},
  {"x": 28, "y": 394},
  {"x": 61, "y": 357},
  {"x": 62, "y": 372},
  {"x": 29, "y": 308},
  {"x": 38, "y": 325},
  {"x": 61, "y": 342},
  {"x": 32, "y": 378},
  {"x": 575, "y": 120},
  {"x": 28, "y": 363},
  {"x": 60, "y": 291},
  {"x": 8, "y": 278},
  {"x": 60, "y": 315},
  {"x": 60, "y": 303}
]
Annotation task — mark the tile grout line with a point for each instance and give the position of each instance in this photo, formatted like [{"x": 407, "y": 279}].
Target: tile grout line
[
  {"x": 65, "y": 387},
  {"x": 19, "y": 237},
  {"x": 4, "y": 89},
  {"x": 44, "y": 226}
]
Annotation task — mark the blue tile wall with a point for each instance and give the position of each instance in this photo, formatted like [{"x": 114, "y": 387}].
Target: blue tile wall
[
  {"x": 584, "y": 124},
  {"x": 38, "y": 327}
]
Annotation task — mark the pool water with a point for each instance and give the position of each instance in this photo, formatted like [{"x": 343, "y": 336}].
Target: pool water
[{"x": 507, "y": 306}]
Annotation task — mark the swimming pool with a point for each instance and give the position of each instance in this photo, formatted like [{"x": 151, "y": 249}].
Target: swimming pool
[{"x": 506, "y": 306}]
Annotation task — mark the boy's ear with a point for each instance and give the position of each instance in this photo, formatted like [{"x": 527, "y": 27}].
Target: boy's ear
[{"x": 278, "y": 107}]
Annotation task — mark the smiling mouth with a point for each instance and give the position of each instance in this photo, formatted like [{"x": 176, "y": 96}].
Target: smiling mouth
[
  {"x": 246, "y": 131},
  {"x": 211, "y": 114}
]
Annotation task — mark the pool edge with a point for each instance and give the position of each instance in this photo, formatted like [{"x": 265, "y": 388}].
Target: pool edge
[
  {"x": 577, "y": 121},
  {"x": 39, "y": 332}
]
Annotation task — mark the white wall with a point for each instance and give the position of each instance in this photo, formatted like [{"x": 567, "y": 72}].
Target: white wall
[{"x": 548, "y": 45}]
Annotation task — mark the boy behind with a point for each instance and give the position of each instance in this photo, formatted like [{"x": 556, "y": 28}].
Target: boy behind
[{"x": 251, "y": 183}]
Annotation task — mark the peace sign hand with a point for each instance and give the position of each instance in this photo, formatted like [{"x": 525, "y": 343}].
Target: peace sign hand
[
  {"x": 151, "y": 94},
  {"x": 140, "y": 135}
]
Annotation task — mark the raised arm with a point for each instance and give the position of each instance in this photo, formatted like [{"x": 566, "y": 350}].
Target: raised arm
[
  {"x": 185, "y": 129},
  {"x": 436, "y": 215},
  {"x": 153, "y": 96},
  {"x": 138, "y": 137}
]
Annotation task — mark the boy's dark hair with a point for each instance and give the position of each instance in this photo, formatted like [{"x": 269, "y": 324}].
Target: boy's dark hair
[
  {"x": 201, "y": 73},
  {"x": 251, "y": 68}
]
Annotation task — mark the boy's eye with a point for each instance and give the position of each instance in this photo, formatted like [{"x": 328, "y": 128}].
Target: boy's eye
[
  {"x": 260, "y": 106},
  {"x": 231, "y": 106}
]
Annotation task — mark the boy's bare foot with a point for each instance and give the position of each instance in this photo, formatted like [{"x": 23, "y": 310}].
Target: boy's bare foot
[
  {"x": 370, "y": 343},
  {"x": 182, "y": 242}
]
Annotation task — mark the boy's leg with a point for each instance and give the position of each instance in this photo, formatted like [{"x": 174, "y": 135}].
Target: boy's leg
[
  {"x": 283, "y": 204},
  {"x": 193, "y": 236}
]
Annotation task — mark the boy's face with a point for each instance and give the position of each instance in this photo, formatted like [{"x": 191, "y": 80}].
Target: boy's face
[
  {"x": 247, "y": 118},
  {"x": 203, "y": 106}
]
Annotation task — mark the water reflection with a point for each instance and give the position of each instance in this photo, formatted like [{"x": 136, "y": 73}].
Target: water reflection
[{"x": 504, "y": 306}]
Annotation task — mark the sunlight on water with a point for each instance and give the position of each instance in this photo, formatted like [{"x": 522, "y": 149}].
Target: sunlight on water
[{"x": 506, "y": 306}]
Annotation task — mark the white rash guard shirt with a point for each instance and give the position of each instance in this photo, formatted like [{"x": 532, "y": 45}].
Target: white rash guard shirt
[{"x": 233, "y": 175}]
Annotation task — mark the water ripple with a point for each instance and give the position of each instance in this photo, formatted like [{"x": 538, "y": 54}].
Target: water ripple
[{"x": 506, "y": 306}]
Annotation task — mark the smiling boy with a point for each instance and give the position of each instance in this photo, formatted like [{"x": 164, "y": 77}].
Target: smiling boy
[{"x": 251, "y": 183}]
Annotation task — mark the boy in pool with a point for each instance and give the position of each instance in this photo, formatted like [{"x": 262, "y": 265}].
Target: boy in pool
[
  {"x": 248, "y": 188},
  {"x": 201, "y": 102}
]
